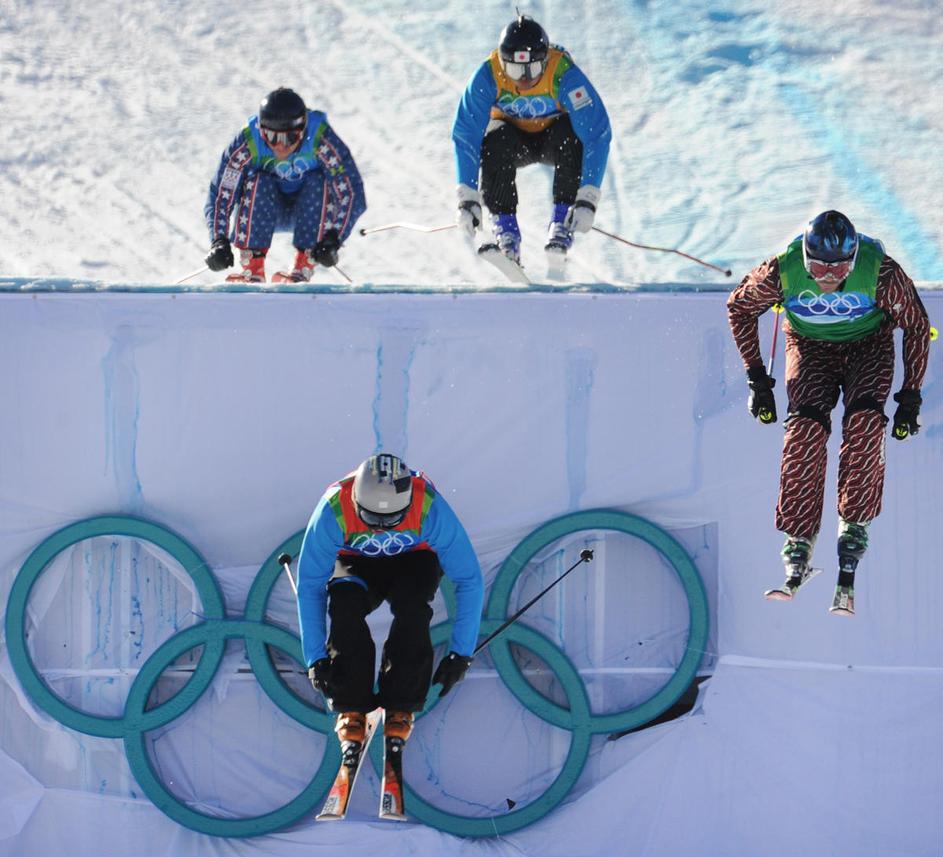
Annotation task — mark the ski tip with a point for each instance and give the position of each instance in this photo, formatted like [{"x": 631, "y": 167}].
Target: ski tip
[
  {"x": 393, "y": 816},
  {"x": 841, "y": 611},
  {"x": 777, "y": 595},
  {"x": 328, "y": 816}
]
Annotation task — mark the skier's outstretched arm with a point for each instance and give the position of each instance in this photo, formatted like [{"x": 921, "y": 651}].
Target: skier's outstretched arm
[
  {"x": 447, "y": 537},
  {"x": 322, "y": 540}
]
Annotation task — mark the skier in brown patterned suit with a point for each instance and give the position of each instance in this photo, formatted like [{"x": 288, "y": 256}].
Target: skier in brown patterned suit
[{"x": 843, "y": 297}]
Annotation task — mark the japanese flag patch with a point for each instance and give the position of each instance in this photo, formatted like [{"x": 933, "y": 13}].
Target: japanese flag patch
[{"x": 579, "y": 97}]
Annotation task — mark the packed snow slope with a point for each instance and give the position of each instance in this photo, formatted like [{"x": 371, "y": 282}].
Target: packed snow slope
[{"x": 733, "y": 123}]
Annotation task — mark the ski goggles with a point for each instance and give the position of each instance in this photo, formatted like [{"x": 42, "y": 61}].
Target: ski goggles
[
  {"x": 839, "y": 270},
  {"x": 524, "y": 70},
  {"x": 830, "y": 270},
  {"x": 381, "y": 521},
  {"x": 282, "y": 138}
]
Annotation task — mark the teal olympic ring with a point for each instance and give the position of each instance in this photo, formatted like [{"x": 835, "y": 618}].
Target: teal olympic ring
[{"x": 213, "y": 632}]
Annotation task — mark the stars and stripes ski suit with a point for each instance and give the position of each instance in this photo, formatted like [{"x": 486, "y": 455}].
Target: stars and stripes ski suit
[
  {"x": 561, "y": 120},
  {"x": 316, "y": 189},
  {"x": 347, "y": 569},
  {"x": 836, "y": 344}
]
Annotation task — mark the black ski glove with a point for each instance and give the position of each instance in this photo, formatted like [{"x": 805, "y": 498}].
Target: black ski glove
[
  {"x": 907, "y": 415},
  {"x": 762, "y": 402},
  {"x": 319, "y": 674},
  {"x": 450, "y": 671},
  {"x": 220, "y": 255},
  {"x": 325, "y": 251}
]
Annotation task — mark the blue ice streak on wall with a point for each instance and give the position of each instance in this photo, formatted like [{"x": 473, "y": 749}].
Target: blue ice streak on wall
[
  {"x": 395, "y": 353},
  {"x": 580, "y": 367},
  {"x": 122, "y": 413}
]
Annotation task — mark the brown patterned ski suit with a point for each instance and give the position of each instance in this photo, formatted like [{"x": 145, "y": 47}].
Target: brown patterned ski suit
[{"x": 817, "y": 372}]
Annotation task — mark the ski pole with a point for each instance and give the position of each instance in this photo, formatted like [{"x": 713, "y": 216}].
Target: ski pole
[
  {"x": 413, "y": 227},
  {"x": 777, "y": 309},
  {"x": 586, "y": 555},
  {"x": 284, "y": 560},
  {"x": 341, "y": 272},
  {"x": 191, "y": 276},
  {"x": 725, "y": 271}
]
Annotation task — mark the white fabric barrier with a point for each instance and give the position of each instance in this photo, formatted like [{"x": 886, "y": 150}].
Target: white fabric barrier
[{"x": 223, "y": 417}]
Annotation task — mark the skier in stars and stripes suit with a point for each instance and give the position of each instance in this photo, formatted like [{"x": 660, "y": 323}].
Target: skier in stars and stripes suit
[
  {"x": 842, "y": 297},
  {"x": 286, "y": 170}
]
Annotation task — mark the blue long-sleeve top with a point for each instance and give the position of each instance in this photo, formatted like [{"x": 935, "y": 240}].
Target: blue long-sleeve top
[
  {"x": 320, "y": 150},
  {"x": 563, "y": 89},
  {"x": 441, "y": 532}
]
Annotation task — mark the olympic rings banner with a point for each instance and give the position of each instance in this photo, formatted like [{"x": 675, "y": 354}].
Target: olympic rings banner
[{"x": 259, "y": 636}]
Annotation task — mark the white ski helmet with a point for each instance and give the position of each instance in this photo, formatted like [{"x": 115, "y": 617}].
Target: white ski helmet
[{"x": 383, "y": 490}]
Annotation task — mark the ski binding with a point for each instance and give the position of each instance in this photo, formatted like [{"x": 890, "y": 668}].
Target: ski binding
[{"x": 787, "y": 592}]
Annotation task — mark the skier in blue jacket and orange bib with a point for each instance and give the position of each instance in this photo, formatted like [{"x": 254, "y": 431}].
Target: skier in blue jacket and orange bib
[{"x": 383, "y": 533}]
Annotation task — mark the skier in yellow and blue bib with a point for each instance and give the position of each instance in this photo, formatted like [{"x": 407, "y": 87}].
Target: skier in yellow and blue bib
[{"x": 530, "y": 103}]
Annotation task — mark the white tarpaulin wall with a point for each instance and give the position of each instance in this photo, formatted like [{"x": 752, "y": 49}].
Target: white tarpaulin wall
[{"x": 223, "y": 417}]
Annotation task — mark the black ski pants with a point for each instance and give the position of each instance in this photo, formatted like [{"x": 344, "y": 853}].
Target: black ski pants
[
  {"x": 505, "y": 148},
  {"x": 408, "y": 582}
]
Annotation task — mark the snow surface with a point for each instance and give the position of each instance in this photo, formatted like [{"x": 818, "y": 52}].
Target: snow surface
[{"x": 734, "y": 122}]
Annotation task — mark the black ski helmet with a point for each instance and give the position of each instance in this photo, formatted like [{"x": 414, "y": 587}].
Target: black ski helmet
[
  {"x": 283, "y": 110},
  {"x": 830, "y": 237},
  {"x": 523, "y": 40}
]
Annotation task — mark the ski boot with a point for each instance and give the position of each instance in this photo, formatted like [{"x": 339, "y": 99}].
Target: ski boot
[
  {"x": 505, "y": 252},
  {"x": 253, "y": 267},
  {"x": 351, "y": 728},
  {"x": 302, "y": 270},
  {"x": 796, "y": 554},
  {"x": 398, "y": 724},
  {"x": 559, "y": 241},
  {"x": 507, "y": 235},
  {"x": 852, "y": 543}
]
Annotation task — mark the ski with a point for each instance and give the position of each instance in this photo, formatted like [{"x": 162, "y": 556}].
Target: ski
[
  {"x": 790, "y": 587},
  {"x": 287, "y": 277},
  {"x": 244, "y": 278},
  {"x": 392, "y": 807},
  {"x": 338, "y": 798},
  {"x": 507, "y": 266},
  {"x": 556, "y": 262},
  {"x": 843, "y": 603}
]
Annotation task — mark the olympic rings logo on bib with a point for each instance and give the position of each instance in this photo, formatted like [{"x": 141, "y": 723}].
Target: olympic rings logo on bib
[
  {"x": 383, "y": 542},
  {"x": 834, "y": 304},
  {"x": 577, "y": 716},
  {"x": 528, "y": 107}
]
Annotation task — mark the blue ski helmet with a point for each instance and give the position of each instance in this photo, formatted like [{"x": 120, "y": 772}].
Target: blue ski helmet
[{"x": 830, "y": 237}]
